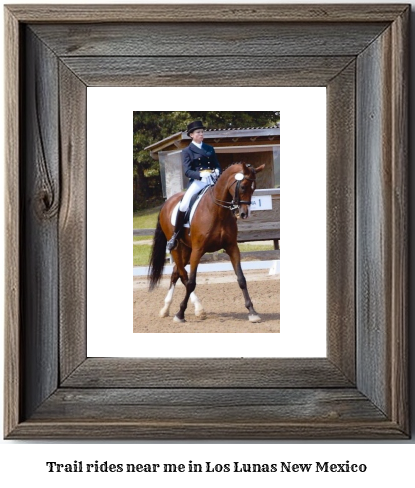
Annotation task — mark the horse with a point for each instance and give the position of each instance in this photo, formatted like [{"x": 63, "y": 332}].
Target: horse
[{"x": 213, "y": 227}]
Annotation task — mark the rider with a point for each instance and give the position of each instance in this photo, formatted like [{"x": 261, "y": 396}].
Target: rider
[{"x": 201, "y": 166}]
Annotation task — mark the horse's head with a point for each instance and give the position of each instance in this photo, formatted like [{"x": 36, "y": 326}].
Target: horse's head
[{"x": 242, "y": 184}]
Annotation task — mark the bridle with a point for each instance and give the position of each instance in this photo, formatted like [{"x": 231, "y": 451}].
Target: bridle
[{"x": 236, "y": 200}]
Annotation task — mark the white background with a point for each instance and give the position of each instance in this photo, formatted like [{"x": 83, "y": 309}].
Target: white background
[
  {"x": 389, "y": 464},
  {"x": 303, "y": 228}
]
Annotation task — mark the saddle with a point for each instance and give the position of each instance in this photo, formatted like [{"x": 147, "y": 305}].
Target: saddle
[{"x": 194, "y": 202}]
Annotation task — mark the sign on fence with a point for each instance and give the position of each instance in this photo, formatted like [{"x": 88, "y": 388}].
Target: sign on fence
[{"x": 263, "y": 202}]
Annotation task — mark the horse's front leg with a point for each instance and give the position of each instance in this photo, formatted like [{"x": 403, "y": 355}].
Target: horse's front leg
[
  {"x": 199, "y": 310},
  {"x": 190, "y": 285},
  {"x": 182, "y": 256},
  {"x": 235, "y": 256}
]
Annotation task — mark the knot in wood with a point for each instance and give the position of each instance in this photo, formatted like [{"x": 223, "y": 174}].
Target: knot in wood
[{"x": 46, "y": 204}]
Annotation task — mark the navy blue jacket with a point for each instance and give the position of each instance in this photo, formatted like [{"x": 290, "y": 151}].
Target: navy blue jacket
[{"x": 195, "y": 160}]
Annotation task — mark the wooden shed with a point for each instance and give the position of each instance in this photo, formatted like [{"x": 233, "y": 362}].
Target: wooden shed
[{"x": 253, "y": 146}]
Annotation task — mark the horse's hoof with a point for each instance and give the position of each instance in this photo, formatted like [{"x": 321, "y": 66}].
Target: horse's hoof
[
  {"x": 179, "y": 321},
  {"x": 163, "y": 314},
  {"x": 201, "y": 315},
  {"x": 254, "y": 318}
]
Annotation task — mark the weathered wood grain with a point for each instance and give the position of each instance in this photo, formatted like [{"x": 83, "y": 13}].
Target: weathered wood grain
[
  {"x": 373, "y": 220},
  {"x": 211, "y": 405},
  {"x": 227, "y": 39},
  {"x": 341, "y": 237},
  {"x": 382, "y": 222},
  {"x": 72, "y": 222},
  {"x": 39, "y": 216},
  {"x": 210, "y": 414},
  {"x": 400, "y": 233},
  {"x": 207, "y": 399},
  {"x": 188, "y": 430},
  {"x": 12, "y": 371},
  {"x": 220, "y": 13},
  {"x": 206, "y": 373},
  {"x": 207, "y": 71}
]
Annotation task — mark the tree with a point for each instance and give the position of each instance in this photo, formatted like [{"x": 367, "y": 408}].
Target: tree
[{"x": 150, "y": 127}]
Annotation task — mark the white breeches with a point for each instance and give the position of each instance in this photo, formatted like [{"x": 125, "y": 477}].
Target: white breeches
[{"x": 194, "y": 188}]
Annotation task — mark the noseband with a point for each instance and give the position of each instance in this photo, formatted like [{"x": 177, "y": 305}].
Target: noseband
[{"x": 236, "y": 200}]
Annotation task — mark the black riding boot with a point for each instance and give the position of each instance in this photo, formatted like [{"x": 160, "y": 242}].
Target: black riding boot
[{"x": 172, "y": 243}]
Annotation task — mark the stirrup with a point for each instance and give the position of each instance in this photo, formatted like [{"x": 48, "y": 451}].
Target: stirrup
[{"x": 172, "y": 243}]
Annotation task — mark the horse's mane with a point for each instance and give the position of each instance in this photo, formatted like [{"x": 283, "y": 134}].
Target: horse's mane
[
  {"x": 230, "y": 166},
  {"x": 233, "y": 164}
]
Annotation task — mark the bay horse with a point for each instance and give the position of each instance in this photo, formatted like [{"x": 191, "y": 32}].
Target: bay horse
[{"x": 213, "y": 227}]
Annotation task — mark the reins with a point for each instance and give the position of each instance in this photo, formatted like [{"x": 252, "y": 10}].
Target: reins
[{"x": 236, "y": 201}]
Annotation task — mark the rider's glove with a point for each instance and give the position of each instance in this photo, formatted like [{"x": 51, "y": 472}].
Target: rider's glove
[{"x": 207, "y": 178}]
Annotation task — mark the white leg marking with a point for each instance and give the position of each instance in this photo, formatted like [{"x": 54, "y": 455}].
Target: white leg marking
[
  {"x": 199, "y": 312},
  {"x": 164, "y": 312},
  {"x": 254, "y": 318}
]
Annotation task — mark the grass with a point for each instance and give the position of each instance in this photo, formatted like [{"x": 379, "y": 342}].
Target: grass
[
  {"x": 255, "y": 247},
  {"x": 146, "y": 219},
  {"x": 141, "y": 255},
  {"x": 142, "y": 238}
]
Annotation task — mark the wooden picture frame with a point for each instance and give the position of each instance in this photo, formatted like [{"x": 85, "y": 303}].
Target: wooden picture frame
[{"x": 359, "y": 391}]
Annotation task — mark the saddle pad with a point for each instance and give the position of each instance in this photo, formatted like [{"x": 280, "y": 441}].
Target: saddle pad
[{"x": 192, "y": 209}]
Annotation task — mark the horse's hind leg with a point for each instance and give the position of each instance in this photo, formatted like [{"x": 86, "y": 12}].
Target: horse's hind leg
[
  {"x": 179, "y": 255},
  {"x": 164, "y": 312},
  {"x": 235, "y": 257}
]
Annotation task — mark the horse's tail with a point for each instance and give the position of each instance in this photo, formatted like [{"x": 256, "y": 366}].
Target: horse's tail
[{"x": 157, "y": 258}]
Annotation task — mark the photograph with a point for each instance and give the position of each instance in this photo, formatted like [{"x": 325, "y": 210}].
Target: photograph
[
  {"x": 206, "y": 202},
  {"x": 67, "y": 275}
]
